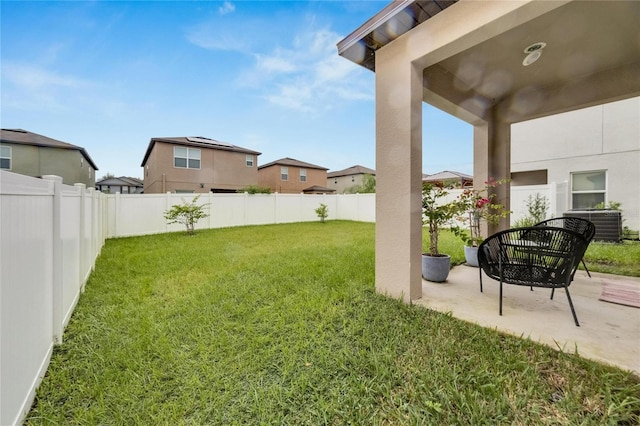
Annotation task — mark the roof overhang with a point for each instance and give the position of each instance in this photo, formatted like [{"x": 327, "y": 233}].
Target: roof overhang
[
  {"x": 395, "y": 19},
  {"x": 591, "y": 54}
]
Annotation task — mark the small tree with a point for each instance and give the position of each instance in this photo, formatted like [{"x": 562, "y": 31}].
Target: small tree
[
  {"x": 186, "y": 213},
  {"x": 537, "y": 207},
  {"x": 106, "y": 176},
  {"x": 255, "y": 189},
  {"x": 368, "y": 186},
  {"x": 322, "y": 212},
  {"x": 436, "y": 213}
]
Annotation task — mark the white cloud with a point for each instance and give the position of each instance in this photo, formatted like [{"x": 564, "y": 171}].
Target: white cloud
[
  {"x": 309, "y": 76},
  {"x": 33, "y": 78},
  {"x": 209, "y": 37},
  {"x": 274, "y": 64},
  {"x": 227, "y": 7},
  {"x": 28, "y": 86}
]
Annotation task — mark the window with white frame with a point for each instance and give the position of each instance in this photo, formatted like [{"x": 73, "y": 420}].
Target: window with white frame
[
  {"x": 186, "y": 158},
  {"x": 5, "y": 157},
  {"x": 303, "y": 175},
  {"x": 249, "y": 160},
  {"x": 588, "y": 189},
  {"x": 284, "y": 173}
]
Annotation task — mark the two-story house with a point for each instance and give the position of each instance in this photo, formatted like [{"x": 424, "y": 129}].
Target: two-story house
[
  {"x": 122, "y": 184},
  {"x": 197, "y": 164},
  {"x": 342, "y": 180},
  {"x": 291, "y": 176},
  {"x": 31, "y": 154}
]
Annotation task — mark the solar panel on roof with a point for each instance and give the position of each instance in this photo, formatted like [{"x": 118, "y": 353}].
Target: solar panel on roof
[{"x": 201, "y": 139}]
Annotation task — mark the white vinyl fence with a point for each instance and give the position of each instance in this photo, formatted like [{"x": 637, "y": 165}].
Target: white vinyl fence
[
  {"x": 556, "y": 195},
  {"x": 51, "y": 235},
  {"x": 142, "y": 214}
]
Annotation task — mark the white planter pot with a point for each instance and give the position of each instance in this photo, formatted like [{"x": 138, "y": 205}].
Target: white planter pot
[{"x": 471, "y": 255}]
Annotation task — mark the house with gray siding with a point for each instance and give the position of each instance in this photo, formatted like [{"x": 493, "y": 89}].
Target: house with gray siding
[{"x": 31, "y": 154}]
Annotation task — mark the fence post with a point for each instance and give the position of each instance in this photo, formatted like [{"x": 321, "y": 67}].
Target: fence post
[
  {"x": 57, "y": 256},
  {"x": 80, "y": 187},
  {"x": 553, "y": 202},
  {"x": 244, "y": 208},
  {"x": 94, "y": 226},
  {"x": 210, "y": 209},
  {"x": 116, "y": 213},
  {"x": 167, "y": 207}
]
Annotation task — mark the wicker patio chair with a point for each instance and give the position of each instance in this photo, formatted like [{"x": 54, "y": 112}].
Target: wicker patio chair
[
  {"x": 534, "y": 256},
  {"x": 583, "y": 226}
]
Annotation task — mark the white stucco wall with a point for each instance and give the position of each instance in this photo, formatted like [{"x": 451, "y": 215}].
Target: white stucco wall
[{"x": 604, "y": 137}]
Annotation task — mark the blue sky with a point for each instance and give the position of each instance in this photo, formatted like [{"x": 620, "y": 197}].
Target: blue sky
[{"x": 264, "y": 75}]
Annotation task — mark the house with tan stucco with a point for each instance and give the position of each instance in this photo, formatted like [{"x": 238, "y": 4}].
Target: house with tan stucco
[
  {"x": 195, "y": 164},
  {"x": 492, "y": 64},
  {"x": 291, "y": 176}
]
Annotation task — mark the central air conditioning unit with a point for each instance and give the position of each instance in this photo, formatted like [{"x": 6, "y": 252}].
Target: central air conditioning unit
[{"x": 608, "y": 222}]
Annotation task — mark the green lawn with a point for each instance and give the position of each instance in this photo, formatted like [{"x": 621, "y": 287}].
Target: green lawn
[{"x": 280, "y": 325}]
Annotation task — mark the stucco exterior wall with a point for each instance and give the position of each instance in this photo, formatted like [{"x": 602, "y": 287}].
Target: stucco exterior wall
[
  {"x": 38, "y": 161},
  {"x": 341, "y": 183},
  {"x": 604, "y": 137},
  {"x": 270, "y": 177},
  {"x": 219, "y": 170}
]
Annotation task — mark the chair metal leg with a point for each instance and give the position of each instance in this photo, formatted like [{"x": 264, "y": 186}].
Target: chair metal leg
[
  {"x": 480, "y": 279},
  {"x": 573, "y": 311},
  {"x": 500, "y": 266},
  {"x": 552, "y": 291},
  {"x": 585, "y": 268}
]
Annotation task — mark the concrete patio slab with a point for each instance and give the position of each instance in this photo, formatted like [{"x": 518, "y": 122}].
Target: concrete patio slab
[{"x": 608, "y": 332}]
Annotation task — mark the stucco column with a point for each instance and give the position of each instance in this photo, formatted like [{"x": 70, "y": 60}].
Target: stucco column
[
  {"x": 492, "y": 159},
  {"x": 398, "y": 176}
]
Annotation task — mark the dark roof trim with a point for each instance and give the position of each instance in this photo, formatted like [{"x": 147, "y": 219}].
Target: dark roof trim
[
  {"x": 318, "y": 188},
  {"x": 24, "y": 137},
  {"x": 293, "y": 163},
  {"x": 198, "y": 142},
  {"x": 402, "y": 15},
  {"x": 353, "y": 170}
]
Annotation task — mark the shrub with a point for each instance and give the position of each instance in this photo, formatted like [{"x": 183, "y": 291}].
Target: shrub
[
  {"x": 186, "y": 213},
  {"x": 255, "y": 189},
  {"x": 368, "y": 186},
  {"x": 537, "y": 206},
  {"x": 322, "y": 212}
]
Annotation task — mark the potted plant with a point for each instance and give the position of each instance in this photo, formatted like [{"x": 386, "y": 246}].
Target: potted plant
[
  {"x": 477, "y": 205},
  {"x": 437, "y": 212}
]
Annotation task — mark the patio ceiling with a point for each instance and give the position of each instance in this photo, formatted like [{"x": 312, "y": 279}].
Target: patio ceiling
[{"x": 592, "y": 56}]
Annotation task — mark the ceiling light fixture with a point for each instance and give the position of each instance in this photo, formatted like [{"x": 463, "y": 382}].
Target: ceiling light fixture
[{"x": 534, "y": 52}]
